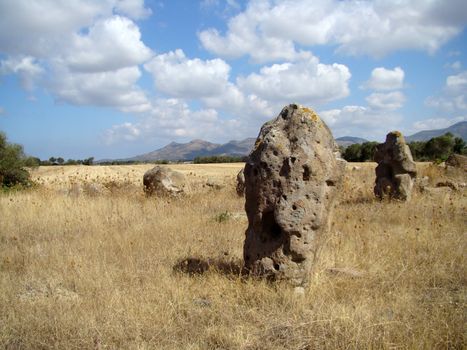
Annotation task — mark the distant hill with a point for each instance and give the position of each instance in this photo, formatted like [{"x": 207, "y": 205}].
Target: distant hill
[
  {"x": 458, "y": 130},
  {"x": 197, "y": 148},
  {"x": 346, "y": 141}
]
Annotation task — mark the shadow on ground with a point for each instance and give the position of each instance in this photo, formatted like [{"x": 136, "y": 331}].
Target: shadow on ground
[{"x": 198, "y": 266}]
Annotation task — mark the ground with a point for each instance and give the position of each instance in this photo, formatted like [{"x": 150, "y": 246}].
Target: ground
[{"x": 87, "y": 261}]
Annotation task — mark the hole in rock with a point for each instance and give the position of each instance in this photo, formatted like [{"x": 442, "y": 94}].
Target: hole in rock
[
  {"x": 330, "y": 183},
  {"x": 306, "y": 173},
  {"x": 276, "y": 266},
  {"x": 293, "y": 159},
  {"x": 285, "y": 169},
  {"x": 275, "y": 153},
  {"x": 270, "y": 226},
  {"x": 294, "y": 207}
]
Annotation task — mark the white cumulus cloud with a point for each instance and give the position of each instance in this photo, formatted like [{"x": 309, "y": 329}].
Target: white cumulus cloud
[
  {"x": 27, "y": 68},
  {"x": 386, "y": 79},
  {"x": 361, "y": 121},
  {"x": 270, "y": 30},
  {"x": 178, "y": 76},
  {"x": 306, "y": 81},
  {"x": 453, "y": 99},
  {"x": 437, "y": 123},
  {"x": 111, "y": 44},
  {"x": 116, "y": 89},
  {"x": 386, "y": 101}
]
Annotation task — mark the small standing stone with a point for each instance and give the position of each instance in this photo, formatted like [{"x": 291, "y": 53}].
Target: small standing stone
[
  {"x": 291, "y": 179},
  {"x": 162, "y": 181},
  {"x": 396, "y": 169},
  {"x": 241, "y": 183}
]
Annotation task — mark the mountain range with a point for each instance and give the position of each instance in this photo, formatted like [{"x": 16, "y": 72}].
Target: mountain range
[
  {"x": 458, "y": 130},
  {"x": 199, "y": 148}
]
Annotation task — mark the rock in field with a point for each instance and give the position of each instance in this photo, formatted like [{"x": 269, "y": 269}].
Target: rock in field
[
  {"x": 396, "y": 169},
  {"x": 162, "y": 181},
  {"x": 240, "y": 183},
  {"x": 457, "y": 161},
  {"x": 291, "y": 179}
]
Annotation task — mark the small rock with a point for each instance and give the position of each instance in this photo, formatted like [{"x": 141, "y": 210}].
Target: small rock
[
  {"x": 214, "y": 184},
  {"x": 447, "y": 183},
  {"x": 163, "y": 181},
  {"x": 299, "y": 291},
  {"x": 240, "y": 183}
]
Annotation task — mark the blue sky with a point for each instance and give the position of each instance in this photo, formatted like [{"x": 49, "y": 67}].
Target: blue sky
[{"x": 116, "y": 78}]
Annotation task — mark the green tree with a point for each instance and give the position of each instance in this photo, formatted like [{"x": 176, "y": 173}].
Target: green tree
[
  {"x": 52, "y": 160},
  {"x": 60, "y": 160},
  {"x": 353, "y": 153},
  {"x": 417, "y": 148},
  {"x": 13, "y": 164},
  {"x": 440, "y": 148},
  {"x": 367, "y": 151},
  {"x": 88, "y": 161},
  {"x": 459, "y": 146}
]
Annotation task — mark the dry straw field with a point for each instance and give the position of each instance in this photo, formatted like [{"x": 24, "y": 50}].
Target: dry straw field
[{"x": 87, "y": 262}]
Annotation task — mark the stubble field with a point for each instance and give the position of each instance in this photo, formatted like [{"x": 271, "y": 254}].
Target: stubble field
[{"x": 87, "y": 262}]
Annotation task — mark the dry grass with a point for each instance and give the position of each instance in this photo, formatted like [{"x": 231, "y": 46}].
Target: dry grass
[{"x": 96, "y": 272}]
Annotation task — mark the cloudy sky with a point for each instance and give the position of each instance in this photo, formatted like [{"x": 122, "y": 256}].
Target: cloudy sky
[{"x": 116, "y": 78}]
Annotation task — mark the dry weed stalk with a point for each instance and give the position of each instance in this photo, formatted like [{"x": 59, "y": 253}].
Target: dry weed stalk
[{"x": 97, "y": 271}]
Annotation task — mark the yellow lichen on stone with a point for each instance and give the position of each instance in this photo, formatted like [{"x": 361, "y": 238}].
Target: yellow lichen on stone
[
  {"x": 313, "y": 115},
  {"x": 257, "y": 143}
]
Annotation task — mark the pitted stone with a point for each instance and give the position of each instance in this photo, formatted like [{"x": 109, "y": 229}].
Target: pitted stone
[
  {"x": 162, "y": 181},
  {"x": 396, "y": 169},
  {"x": 291, "y": 179}
]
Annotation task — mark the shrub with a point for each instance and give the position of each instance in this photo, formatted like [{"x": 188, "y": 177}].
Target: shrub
[{"x": 13, "y": 164}]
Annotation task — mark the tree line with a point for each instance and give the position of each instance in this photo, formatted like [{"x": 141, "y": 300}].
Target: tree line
[
  {"x": 218, "y": 159},
  {"x": 14, "y": 163},
  {"x": 61, "y": 161},
  {"x": 436, "y": 149}
]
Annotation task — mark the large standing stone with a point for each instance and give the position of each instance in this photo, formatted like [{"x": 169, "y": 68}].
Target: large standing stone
[
  {"x": 291, "y": 179},
  {"x": 396, "y": 169},
  {"x": 162, "y": 181}
]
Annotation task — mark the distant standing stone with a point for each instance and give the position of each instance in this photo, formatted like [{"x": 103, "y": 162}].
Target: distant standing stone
[
  {"x": 241, "y": 183},
  {"x": 457, "y": 161},
  {"x": 291, "y": 179},
  {"x": 163, "y": 181},
  {"x": 396, "y": 169}
]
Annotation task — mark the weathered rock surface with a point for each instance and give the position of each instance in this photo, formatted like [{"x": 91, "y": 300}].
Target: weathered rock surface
[
  {"x": 396, "y": 169},
  {"x": 241, "y": 183},
  {"x": 457, "y": 161},
  {"x": 163, "y": 181},
  {"x": 291, "y": 179}
]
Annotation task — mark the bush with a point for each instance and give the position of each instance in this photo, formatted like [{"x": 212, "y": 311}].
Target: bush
[
  {"x": 13, "y": 164},
  {"x": 218, "y": 159},
  {"x": 360, "y": 152}
]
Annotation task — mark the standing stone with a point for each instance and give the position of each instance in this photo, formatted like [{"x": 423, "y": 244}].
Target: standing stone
[
  {"x": 162, "y": 181},
  {"x": 457, "y": 161},
  {"x": 291, "y": 179},
  {"x": 240, "y": 183},
  {"x": 396, "y": 169}
]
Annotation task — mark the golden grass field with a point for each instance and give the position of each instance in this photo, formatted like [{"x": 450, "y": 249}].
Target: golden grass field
[{"x": 86, "y": 262}]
